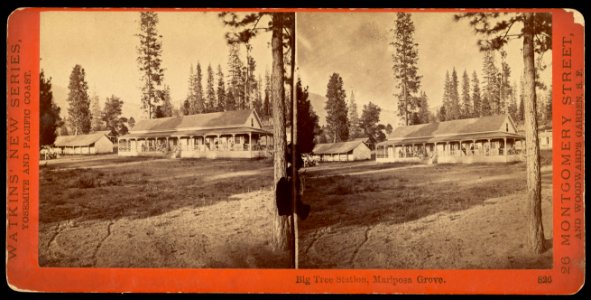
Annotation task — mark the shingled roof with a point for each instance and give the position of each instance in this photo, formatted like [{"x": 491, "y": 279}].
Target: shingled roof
[
  {"x": 234, "y": 118},
  {"x": 336, "y": 148},
  {"x": 79, "y": 140},
  {"x": 484, "y": 127}
]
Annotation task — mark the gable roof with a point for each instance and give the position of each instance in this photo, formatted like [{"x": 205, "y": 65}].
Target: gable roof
[
  {"x": 234, "y": 118},
  {"x": 484, "y": 127},
  {"x": 337, "y": 148},
  {"x": 80, "y": 140}
]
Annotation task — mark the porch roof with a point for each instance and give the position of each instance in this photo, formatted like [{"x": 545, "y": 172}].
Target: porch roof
[
  {"x": 202, "y": 132},
  {"x": 452, "y": 138}
]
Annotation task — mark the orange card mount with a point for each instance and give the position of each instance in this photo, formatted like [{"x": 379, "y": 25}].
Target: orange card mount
[{"x": 147, "y": 183}]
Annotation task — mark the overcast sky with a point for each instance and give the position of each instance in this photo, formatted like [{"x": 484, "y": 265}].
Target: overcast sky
[
  {"x": 356, "y": 45},
  {"x": 104, "y": 44}
]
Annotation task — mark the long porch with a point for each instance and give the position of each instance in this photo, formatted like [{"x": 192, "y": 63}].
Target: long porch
[
  {"x": 492, "y": 149},
  {"x": 251, "y": 144}
]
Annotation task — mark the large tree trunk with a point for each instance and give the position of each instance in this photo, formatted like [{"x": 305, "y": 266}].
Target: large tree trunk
[
  {"x": 534, "y": 200},
  {"x": 283, "y": 224},
  {"x": 294, "y": 143}
]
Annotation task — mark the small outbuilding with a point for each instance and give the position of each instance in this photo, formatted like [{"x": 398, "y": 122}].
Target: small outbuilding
[
  {"x": 94, "y": 143},
  {"x": 343, "y": 151}
]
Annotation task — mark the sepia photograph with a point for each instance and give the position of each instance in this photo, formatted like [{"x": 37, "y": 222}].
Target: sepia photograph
[
  {"x": 425, "y": 153},
  {"x": 170, "y": 144},
  {"x": 158, "y": 141}
]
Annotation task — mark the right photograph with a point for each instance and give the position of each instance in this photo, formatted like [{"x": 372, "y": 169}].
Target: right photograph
[{"x": 432, "y": 144}]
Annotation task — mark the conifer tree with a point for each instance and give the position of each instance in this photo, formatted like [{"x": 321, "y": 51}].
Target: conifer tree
[
  {"x": 336, "y": 108},
  {"x": 354, "y": 130},
  {"x": 79, "y": 102},
  {"x": 476, "y": 97},
  {"x": 149, "y": 61},
  {"x": 467, "y": 110},
  {"x": 455, "y": 96},
  {"x": 49, "y": 118},
  {"x": 405, "y": 60},
  {"x": 221, "y": 91},
  {"x": 210, "y": 91},
  {"x": 96, "y": 121}
]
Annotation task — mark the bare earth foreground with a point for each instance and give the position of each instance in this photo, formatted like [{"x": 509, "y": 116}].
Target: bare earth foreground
[{"x": 112, "y": 212}]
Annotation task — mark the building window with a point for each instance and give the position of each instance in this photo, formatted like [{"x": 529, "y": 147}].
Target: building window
[
  {"x": 507, "y": 127},
  {"x": 251, "y": 122}
]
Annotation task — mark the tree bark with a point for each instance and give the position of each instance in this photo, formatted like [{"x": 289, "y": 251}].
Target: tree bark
[
  {"x": 283, "y": 224},
  {"x": 534, "y": 200}
]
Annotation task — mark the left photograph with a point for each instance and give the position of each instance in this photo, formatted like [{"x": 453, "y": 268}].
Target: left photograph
[{"x": 159, "y": 145}]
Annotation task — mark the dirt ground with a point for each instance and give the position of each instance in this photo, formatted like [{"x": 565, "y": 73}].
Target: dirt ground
[{"x": 235, "y": 230}]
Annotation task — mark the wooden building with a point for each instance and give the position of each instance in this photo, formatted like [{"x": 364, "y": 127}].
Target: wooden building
[
  {"x": 486, "y": 139},
  {"x": 94, "y": 143},
  {"x": 230, "y": 134},
  {"x": 343, "y": 151}
]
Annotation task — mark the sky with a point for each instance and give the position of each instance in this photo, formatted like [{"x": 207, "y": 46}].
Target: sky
[
  {"x": 356, "y": 45},
  {"x": 104, "y": 44}
]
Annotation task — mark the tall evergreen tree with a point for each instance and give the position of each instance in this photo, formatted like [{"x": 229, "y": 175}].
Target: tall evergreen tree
[
  {"x": 165, "y": 110},
  {"x": 210, "y": 91},
  {"x": 96, "y": 118},
  {"x": 198, "y": 105},
  {"x": 336, "y": 109},
  {"x": 504, "y": 85},
  {"x": 491, "y": 83},
  {"x": 512, "y": 109},
  {"x": 405, "y": 60},
  {"x": 221, "y": 91},
  {"x": 307, "y": 120},
  {"x": 79, "y": 102},
  {"x": 369, "y": 122},
  {"x": 235, "y": 78},
  {"x": 424, "y": 115},
  {"x": 455, "y": 96},
  {"x": 112, "y": 116},
  {"x": 49, "y": 118},
  {"x": 476, "y": 97},
  {"x": 446, "y": 101},
  {"x": 467, "y": 110},
  {"x": 266, "y": 104},
  {"x": 548, "y": 105},
  {"x": 149, "y": 60},
  {"x": 354, "y": 129}
]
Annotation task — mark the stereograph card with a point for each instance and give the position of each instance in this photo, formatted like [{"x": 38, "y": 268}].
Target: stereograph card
[{"x": 297, "y": 151}]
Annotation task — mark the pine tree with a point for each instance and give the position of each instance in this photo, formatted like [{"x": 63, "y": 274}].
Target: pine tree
[
  {"x": 424, "y": 115},
  {"x": 221, "y": 91},
  {"x": 49, "y": 118},
  {"x": 79, "y": 102},
  {"x": 405, "y": 60},
  {"x": 112, "y": 116},
  {"x": 336, "y": 109},
  {"x": 446, "y": 101},
  {"x": 548, "y": 106},
  {"x": 442, "y": 114},
  {"x": 504, "y": 85},
  {"x": 266, "y": 104},
  {"x": 466, "y": 111},
  {"x": 455, "y": 96},
  {"x": 369, "y": 122},
  {"x": 149, "y": 60},
  {"x": 235, "y": 78},
  {"x": 166, "y": 108},
  {"x": 491, "y": 84},
  {"x": 210, "y": 91},
  {"x": 307, "y": 120},
  {"x": 354, "y": 130},
  {"x": 96, "y": 121},
  {"x": 476, "y": 97},
  {"x": 512, "y": 109},
  {"x": 198, "y": 106}
]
